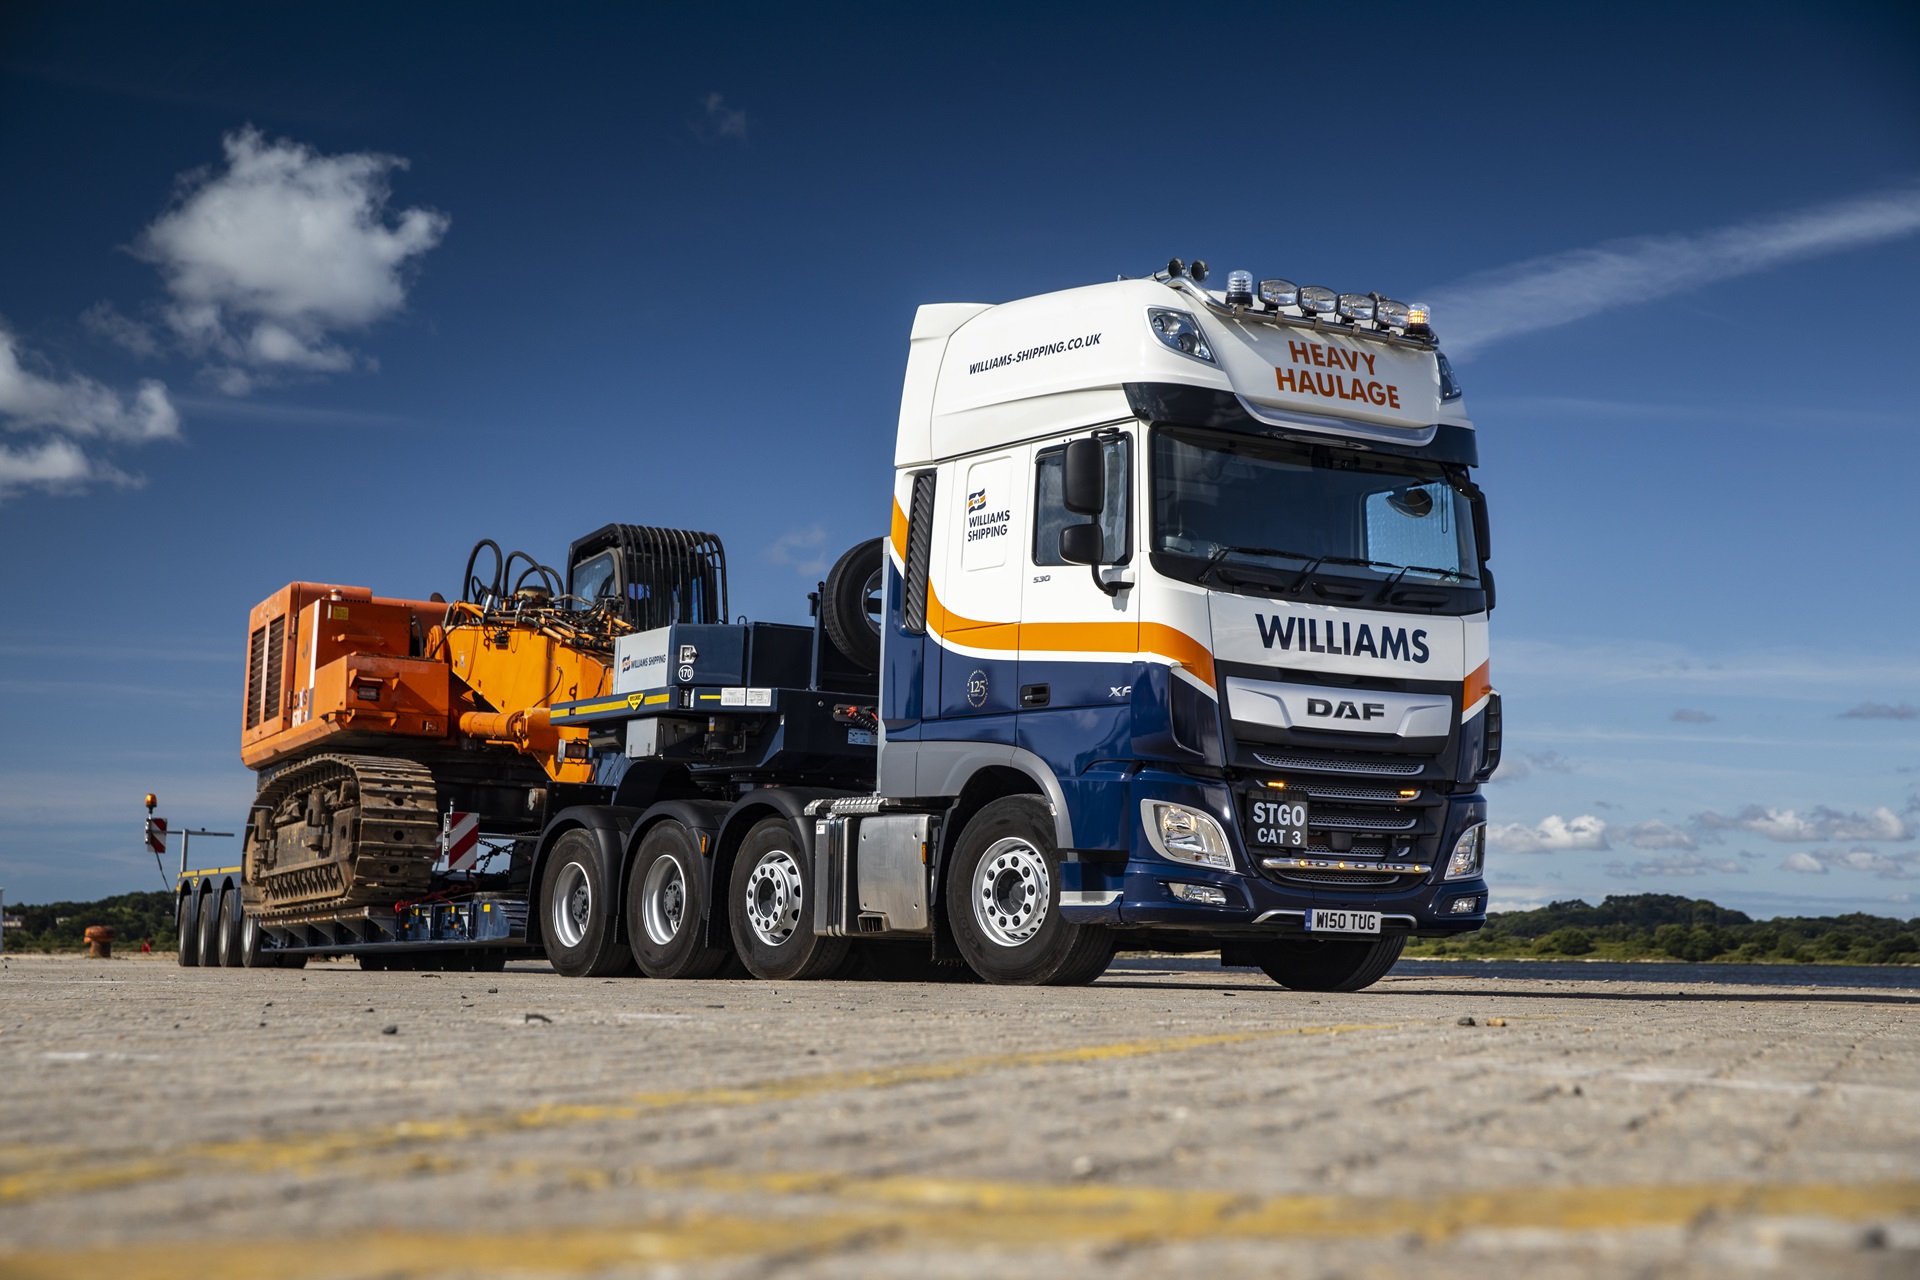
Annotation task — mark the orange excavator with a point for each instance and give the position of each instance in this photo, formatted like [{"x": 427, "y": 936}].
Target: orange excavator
[{"x": 370, "y": 719}]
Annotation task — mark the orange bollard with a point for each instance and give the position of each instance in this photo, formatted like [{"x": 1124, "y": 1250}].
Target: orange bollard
[{"x": 100, "y": 941}]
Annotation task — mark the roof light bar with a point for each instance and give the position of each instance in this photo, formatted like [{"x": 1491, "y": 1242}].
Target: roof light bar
[{"x": 1317, "y": 301}]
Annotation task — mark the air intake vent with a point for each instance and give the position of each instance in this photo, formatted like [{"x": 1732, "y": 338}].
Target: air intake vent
[
  {"x": 270, "y": 689},
  {"x": 256, "y": 673},
  {"x": 1339, "y": 764}
]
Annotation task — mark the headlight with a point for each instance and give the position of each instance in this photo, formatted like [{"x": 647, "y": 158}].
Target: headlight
[
  {"x": 1316, "y": 301},
  {"x": 1279, "y": 293},
  {"x": 1186, "y": 835},
  {"x": 1393, "y": 315},
  {"x": 1356, "y": 306},
  {"x": 1469, "y": 853},
  {"x": 1180, "y": 331}
]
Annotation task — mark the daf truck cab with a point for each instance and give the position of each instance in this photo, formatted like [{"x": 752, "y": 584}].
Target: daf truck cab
[{"x": 1186, "y": 628}]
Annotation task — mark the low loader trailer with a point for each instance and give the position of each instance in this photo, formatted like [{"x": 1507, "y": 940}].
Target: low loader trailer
[{"x": 1178, "y": 641}]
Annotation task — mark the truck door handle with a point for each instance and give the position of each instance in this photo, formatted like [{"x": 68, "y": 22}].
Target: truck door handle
[{"x": 1035, "y": 695}]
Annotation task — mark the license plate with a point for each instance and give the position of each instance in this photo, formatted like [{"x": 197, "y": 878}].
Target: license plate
[
  {"x": 1343, "y": 921},
  {"x": 1276, "y": 825}
]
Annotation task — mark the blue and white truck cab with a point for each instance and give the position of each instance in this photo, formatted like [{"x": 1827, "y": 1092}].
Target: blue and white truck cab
[
  {"x": 1178, "y": 641},
  {"x": 1186, "y": 628}
]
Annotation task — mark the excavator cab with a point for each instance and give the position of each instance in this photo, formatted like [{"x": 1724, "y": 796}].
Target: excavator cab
[{"x": 656, "y": 577}]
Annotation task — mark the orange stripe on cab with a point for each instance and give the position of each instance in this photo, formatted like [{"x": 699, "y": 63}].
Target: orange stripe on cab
[{"x": 1477, "y": 686}]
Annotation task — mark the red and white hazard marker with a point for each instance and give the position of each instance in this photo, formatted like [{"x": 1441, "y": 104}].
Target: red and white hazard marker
[{"x": 460, "y": 840}]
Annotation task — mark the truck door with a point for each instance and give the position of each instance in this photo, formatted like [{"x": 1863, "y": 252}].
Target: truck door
[
  {"x": 987, "y": 510},
  {"x": 1078, "y": 644}
]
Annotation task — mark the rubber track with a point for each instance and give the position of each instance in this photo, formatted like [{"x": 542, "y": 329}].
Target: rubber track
[{"x": 395, "y": 839}]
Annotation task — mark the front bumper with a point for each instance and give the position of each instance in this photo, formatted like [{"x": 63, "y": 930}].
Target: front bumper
[{"x": 1143, "y": 891}]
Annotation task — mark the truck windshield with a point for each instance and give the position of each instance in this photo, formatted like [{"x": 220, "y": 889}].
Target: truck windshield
[{"x": 1233, "y": 510}]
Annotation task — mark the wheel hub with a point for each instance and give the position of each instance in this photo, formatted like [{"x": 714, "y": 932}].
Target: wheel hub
[
  {"x": 572, "y": 905},
  {"x": 1011, "y": 891},
  {"x": 773, "y": 897},
  {"x": 663, "y": 903}
]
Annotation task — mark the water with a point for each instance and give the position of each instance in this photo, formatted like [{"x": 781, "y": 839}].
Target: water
[{"x": 1880, "y": 977}]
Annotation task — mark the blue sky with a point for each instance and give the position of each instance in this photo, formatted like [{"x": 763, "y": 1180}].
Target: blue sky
[{"x": 567, "y": 265}]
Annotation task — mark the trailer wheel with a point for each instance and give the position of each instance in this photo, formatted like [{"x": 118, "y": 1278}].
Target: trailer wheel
[
  {"x": 209, "y": 930},
  {"x": 1003, "y": 901},
  {"x": 770, "y": 906},
  {"x": 253, "y": 953},
  {"x": 1328, "y": 966},
  {"x": 852, "y": 602},
  {"x": 186, "y": 923},
  {"x": 227, "y": 930},
  {"x": 581, "y": 910},
  {"x": 666, "y": 905}
]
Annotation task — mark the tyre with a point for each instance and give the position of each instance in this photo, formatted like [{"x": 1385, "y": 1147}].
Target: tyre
[
  {"x": 770, "y": 906},
  {"x": 186, "y": 923},
  {"x": 209, "y": 930},
  {"x": 253, "y": 953},
  {"x": 667, "y": 905},
  {"x": 1003, "y": 901},
  {"x": 582, "y": 911},
  {"x": 1328, "y": 966},
  {"x": 853, "y": 600},
  {"x": 227, "y": 931}
]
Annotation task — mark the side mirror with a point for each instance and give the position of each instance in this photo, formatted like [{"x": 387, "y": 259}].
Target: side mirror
[
  {"x": 1083, "y": 480},
  {"x": 1080, "y": 544}
]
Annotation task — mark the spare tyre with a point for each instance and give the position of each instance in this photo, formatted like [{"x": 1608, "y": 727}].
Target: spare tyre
[{"x": 854, "y": 599}]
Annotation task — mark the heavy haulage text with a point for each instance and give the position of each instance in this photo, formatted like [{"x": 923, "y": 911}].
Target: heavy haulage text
[{"x": 1335, "y": 386}]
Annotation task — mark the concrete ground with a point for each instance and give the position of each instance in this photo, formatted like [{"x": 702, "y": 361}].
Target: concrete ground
[{"x": 175, "y": 1123}]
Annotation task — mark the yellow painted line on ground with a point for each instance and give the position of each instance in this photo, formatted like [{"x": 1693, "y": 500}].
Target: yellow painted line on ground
[
  {"x": 923, "y": 1213},
  {"x": 308, "y": 1151}
]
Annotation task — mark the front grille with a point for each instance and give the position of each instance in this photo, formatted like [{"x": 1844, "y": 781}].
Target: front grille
[
  {"x": 1341, "y": 764},
  {"x": 1346, "y": 879},
  {"x": 1365, "y": 822},
  {"x": 1378, "y": 795}
]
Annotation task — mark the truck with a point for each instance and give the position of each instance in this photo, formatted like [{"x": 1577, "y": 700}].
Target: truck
[{"x": 1177, "y": 641}]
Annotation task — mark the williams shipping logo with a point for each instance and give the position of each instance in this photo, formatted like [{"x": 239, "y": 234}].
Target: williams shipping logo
[
  {"x": 982, "y": 523},
  {"x": 1035, "y": 353},
  {"x": 976, "y": 500},
  {"x": 1314, "y": 635}
]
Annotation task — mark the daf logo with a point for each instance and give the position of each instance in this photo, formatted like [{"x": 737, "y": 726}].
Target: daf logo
[{"x": 1345, "y": 710}]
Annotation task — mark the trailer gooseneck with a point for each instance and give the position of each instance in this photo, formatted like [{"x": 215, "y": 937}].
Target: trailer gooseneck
[{"x": 1178, "y": 640}]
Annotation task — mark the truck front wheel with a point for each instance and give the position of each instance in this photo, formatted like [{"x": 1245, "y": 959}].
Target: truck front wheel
[
  {"x": 770, "y": 906},
  {"x": 667, "y": 905},
  {"x": 1328, "y": 966},
  {"x": 582, "y": 911},
  {"x": 1003, "y": 901}
]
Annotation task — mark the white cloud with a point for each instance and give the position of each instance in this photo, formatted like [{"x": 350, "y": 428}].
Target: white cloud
[
  {"x": 721, "y": 121},
  {"x": 78, "y": 406},
  {"x": 1558, "y": 289},
  {"x": 1675, "y": 864},
  {"x": 1882, "y": 711},
  {"x": 268, "y": 261},
  {"x": 804, "y": 549},
  {"x": 1688, "y": 716},
  {"x": 106, "y": 320},
  {"x": 1658, "y": 835},
  {"x": 56, "y": 465},
  {"x": 1553, "y": 834},
  {"x": 1820, "y": 823},
  {"x": 1900, "y": 866}
]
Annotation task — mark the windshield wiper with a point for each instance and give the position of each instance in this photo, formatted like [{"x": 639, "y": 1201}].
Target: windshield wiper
[{"x": 1221, "y": 553}]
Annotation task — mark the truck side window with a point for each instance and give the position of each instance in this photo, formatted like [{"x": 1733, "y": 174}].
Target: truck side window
[
  {"x": 919, "y": 552},
  {"x": 1050, "y": 514}
]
